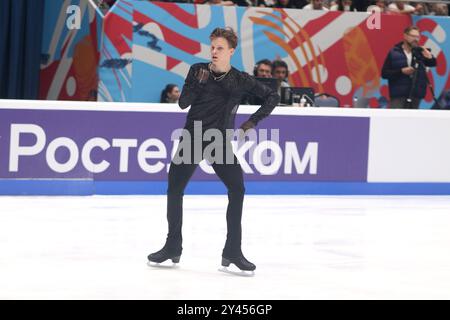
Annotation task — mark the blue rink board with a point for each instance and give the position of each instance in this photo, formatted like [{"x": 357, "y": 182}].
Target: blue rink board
[{"x": 88, "y": 187}]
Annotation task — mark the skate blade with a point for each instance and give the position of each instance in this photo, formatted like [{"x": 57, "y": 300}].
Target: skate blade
[
  {"x": 162, "y": 265},
  {"x": 240, "y": 273}
]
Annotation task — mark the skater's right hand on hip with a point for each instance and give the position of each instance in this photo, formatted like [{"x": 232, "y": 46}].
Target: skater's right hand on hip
[
  {"x": 202, "y": 75},
  {"x": 247, "y": 125}
]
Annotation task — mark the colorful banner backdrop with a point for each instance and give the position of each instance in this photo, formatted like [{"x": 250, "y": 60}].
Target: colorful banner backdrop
[
  {"x": 70, "y": 55},
  {"x": 146, "y": 45}
]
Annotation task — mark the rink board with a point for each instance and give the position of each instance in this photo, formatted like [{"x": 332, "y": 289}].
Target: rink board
[{"x": 81, "y": 148}]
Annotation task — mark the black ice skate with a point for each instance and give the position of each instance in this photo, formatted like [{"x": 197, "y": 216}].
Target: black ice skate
[
  {"x": 155, "y": 259},
  {"x": 246, "y": 268}
]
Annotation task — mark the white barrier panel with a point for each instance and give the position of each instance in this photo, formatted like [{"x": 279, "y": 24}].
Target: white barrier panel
[{"x": 410, "y": 147}]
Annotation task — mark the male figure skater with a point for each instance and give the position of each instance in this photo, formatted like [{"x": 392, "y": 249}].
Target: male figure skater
[{"x": 213, "y": 90}]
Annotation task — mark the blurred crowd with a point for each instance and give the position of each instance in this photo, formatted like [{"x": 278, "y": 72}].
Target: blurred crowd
[{"x": 435, "y": 8}]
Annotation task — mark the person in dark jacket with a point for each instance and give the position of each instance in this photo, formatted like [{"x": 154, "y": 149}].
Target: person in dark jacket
[
  {"x": 262, "y": 69},
  {"x": 404, "y": 68},
  {"x": 213, "y": 91}
]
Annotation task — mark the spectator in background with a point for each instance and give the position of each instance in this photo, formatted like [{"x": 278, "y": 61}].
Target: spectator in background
[
  {"x": 285, "y": 4},
  {"x": 401, "y": 7},
  {"x": 421, "y": 9},
  {"x": 220, "y": 3},
  {"x": 439, "y": 9},
  {"x": 361, "y": 5},
  {"x": 265, "y": 3},
  {"x": 316, "y": 5},
  {"x": 343, "y": 5},
  {"x": 299, "y": 4},
  {"x": 263, "y": 69},
  {"x": 280, "y": 71},
  {"x": 378, "y": 6},
  {"x": 110, "y": 3},
  {"x": 105, "y": 5},
  {"x": 170, "y": 94},
  {"x": 245, "y": 3}
]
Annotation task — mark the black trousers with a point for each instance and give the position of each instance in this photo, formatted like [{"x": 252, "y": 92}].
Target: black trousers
[{"x": 232, "y": 176}]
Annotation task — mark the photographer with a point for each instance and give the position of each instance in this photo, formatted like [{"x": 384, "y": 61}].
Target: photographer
[{"x": 404, "y": 68}]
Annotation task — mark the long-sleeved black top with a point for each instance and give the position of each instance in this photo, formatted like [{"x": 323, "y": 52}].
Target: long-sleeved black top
[{"x": 215, "y": 103}]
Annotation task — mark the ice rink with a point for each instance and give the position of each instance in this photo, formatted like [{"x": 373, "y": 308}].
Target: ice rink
[{"x": 304, "y": 247}]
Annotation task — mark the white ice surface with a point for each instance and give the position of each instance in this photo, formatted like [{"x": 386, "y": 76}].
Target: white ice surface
[{"x": 305, "y": 247}]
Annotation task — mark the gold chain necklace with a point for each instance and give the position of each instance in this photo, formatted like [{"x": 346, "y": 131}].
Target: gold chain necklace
[{"x": 219, "y": 78}]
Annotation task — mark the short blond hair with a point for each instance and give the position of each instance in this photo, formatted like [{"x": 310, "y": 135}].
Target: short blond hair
[{"x": 226, "y": 33}]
